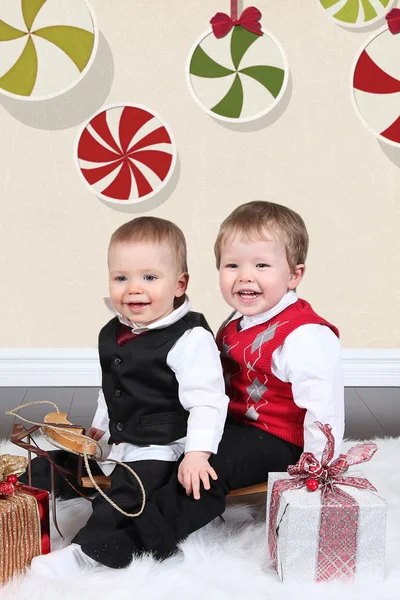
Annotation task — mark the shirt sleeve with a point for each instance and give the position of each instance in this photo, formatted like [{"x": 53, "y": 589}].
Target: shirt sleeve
[
  {"x": 195, "y": 361},
  {"x": 310, "y": 360},
  {"x": 100, "y": 419}
]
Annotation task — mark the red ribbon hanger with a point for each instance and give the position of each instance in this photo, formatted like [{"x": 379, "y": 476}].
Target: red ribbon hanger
[
  {"x": 249, "y": 19},
  {"x": 393, "y": 20}
]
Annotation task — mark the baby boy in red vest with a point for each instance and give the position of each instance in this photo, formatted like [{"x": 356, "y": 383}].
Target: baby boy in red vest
[{"x": 281, "y": 360}]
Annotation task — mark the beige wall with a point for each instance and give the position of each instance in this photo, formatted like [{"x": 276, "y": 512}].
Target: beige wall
[{"x": 316, "y": 157}]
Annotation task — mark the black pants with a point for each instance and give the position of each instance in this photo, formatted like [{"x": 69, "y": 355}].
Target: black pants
[
  {"x": 245, "y": 456},
  {"x": 110, "y": 537}
]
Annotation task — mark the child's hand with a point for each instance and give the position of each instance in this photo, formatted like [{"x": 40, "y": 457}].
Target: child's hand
[
  {"x": 193, "y": 468},
  {"x": 95, "y": 434}
]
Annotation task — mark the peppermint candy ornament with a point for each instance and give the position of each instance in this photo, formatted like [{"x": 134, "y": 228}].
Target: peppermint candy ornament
[
  {"x": 356, "y": 13},
  {"x": 125, "y": 154},
  {"x": 46, "y": 46},
  {"x": 237, "y": 72},
  {"x": 375, "y": 82}
]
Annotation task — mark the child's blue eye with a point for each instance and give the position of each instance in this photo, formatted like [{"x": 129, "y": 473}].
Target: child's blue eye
[
  {"x": 231, "y": 266},
  {"x": 120, "y": 278},
  {"x": 261, "y": 265},
  {"x": 150, "y": 277}
]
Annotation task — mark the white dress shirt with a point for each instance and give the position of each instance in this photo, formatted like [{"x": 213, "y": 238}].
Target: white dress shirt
[
  {"x": 310, "y": 360},
  {"x": 195, "y": 360}
]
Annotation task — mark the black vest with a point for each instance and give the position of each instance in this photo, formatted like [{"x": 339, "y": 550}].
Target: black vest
[{"x": 140, "y": 389}]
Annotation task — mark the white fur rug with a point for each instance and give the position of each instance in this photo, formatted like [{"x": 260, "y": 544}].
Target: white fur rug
[{"x": 222, "y": 561}]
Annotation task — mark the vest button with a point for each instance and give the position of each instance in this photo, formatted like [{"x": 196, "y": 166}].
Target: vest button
[
  {"x": 118, "y": 393},
  {"x": 117, "y": 361},
  {"x": 120, "y": 426}
]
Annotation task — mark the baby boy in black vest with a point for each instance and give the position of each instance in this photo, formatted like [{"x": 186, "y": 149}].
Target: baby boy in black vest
[{"x": 162, "y": 406}]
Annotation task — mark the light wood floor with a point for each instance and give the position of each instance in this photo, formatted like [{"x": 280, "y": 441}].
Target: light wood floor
[{"x": 370, "y": 412}]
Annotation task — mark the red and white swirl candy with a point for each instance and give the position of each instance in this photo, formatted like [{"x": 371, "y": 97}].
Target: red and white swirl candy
[
  {"x": 125, "y": 154},
  {"x": 376, "y": 82}
]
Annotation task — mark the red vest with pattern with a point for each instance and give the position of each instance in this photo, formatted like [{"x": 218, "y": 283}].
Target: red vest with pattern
[{"x": 256, "y": 396}]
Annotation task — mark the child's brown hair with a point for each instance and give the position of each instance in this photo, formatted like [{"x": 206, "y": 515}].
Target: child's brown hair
[
  {"x": 155, "y": 230},
  {"x": 251, "y": 220}
]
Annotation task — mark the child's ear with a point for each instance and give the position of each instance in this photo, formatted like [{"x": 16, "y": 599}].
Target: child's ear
[
  {"x": 182, "y": 285},
  {"x": 296, "y": 277}
]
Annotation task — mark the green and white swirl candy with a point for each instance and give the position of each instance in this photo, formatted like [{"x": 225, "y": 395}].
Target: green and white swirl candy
[
  {"x": 356, "y": 13},
  {"x": 46, "y": 46},
  {"x": 239, "y": 77}
]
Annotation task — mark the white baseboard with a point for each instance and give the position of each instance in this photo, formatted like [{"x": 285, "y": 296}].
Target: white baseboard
[
  {"x": 49, "y": 367},
  {"x": 79, "y": 367},
  {"x": 371, "y": 367}
]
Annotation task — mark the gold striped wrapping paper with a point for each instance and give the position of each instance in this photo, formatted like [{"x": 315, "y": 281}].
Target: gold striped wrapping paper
[{"x": 20, "y": 537}]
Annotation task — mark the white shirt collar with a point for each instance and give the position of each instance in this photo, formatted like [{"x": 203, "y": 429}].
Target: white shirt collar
[
  {"x": 176, "y": 314},
  {"x": 246, "y": 322}
]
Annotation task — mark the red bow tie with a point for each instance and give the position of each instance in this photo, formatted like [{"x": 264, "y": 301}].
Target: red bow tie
[
  {"x": 222, "y": 23},
  {"x": 125, "y": 335}
]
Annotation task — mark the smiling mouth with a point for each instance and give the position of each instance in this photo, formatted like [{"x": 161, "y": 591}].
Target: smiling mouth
[
  {"x": 248, "y": 295},
  {"x": 137, "y": 305}
]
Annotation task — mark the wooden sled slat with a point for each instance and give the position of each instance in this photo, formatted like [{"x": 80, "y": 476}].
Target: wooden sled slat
[
  {"x": 102, "y": 481},
  {"x": 252, "y": 489},
  {"x": 105, "y": 483}
]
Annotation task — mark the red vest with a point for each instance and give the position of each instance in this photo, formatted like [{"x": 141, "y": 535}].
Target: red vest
[{"x": 257, "y": 397}]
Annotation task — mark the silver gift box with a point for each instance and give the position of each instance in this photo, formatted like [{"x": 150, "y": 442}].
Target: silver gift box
[{"x": 298, "y": 527}]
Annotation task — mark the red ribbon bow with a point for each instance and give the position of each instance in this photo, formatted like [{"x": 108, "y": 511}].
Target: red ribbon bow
[
  {"x": 328, "y": 476},
  {"x": 393, "y": 20},
  {"x": 249, "y": 19},
  {"x": 7, "y": 489}
]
